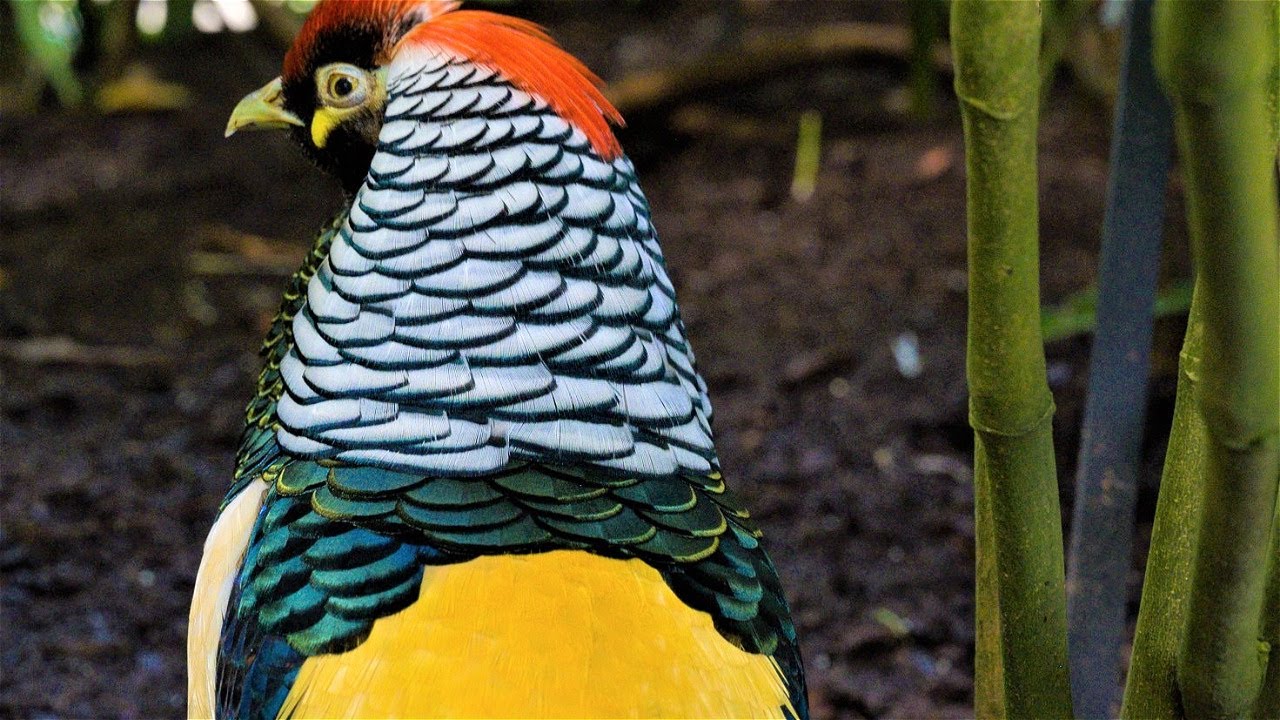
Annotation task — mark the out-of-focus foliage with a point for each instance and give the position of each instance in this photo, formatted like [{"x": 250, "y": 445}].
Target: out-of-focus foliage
[
  {"x": 49, "y": 32},
  {"x": 1077, "y": 315},
  {"x": 80, "y": 49}
]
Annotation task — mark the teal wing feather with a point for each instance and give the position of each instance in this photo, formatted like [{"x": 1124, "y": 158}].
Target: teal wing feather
[{"x": 340, "y": 546}]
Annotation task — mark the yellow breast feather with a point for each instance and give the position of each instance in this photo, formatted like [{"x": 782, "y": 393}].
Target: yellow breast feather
[{"x": 563, "y": 634}]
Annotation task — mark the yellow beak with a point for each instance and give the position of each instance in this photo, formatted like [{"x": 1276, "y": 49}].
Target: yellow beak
[{"x": 262, "y": 109}]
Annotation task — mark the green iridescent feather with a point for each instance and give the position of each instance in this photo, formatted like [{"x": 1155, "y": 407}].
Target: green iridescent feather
[{"x": 258, "y": 448}]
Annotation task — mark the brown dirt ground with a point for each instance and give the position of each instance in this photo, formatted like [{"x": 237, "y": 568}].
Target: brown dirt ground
[{"x": 111, "y": 470}]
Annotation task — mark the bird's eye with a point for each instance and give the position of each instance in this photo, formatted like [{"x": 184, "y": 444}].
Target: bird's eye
[{"x": 342, "y": 85}]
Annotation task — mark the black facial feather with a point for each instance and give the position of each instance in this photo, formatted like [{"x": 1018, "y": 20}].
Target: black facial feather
[
  {"x": 348, "y": 152},
  {"x": 351, "y": 145}
]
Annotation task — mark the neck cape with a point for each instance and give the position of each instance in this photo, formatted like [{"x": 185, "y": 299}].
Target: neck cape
[{"x": 496, "y": 294}]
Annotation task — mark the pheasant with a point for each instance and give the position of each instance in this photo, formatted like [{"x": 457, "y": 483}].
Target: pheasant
[{"x": 477, "y": 478}]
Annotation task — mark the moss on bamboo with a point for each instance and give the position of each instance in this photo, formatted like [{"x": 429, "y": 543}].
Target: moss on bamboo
[
  {"x": 1022, "y": 658},
  {"x": 1216, "y": 59}
]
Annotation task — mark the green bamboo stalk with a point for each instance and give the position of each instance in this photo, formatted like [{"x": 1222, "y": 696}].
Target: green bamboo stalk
[
  {"x": 1151, "y": 691},
  {"x": 988, "y": 660},
  {"x": 1021, "y": 663},
  {"x": 1273, "y": 93},
  {"x": 925, "y": 17},
  {"x": 1268, "y": 705},
  {"x": 1216, "y": 60}
]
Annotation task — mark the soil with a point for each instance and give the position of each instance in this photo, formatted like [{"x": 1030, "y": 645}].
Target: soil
[{"x": 857, "y": 464}]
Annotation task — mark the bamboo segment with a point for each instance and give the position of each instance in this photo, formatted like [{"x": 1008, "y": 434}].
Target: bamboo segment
[
  {"x": 1021, "y": 615},
  {"x": 1268, "y": 705},
  {"x": 1216, "y": 59},
  {"x": 988, "y": 661},
  {"x": 1151, "y": 692},
  {"x": 1273, "y": 92}
]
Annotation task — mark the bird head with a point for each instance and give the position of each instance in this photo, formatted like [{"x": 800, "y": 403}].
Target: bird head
[{"x": 332, "y": 94}]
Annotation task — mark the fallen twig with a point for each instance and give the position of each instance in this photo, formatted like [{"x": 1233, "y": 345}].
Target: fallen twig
[
  {"x": 62, "y": 350},
  {"x": 706, "y": 119},
  {"x": 226, "y": 264},
  {"x": 763, "y": 56},
  {"x": 240, "y": 253}
]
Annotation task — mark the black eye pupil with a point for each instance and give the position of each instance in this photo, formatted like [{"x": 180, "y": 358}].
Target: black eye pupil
[{"x": 342, "y": 87}]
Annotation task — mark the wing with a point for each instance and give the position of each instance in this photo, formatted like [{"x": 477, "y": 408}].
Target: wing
[
  {"x": 235, "y": 525},
  {"x": 488, "y": 362}
]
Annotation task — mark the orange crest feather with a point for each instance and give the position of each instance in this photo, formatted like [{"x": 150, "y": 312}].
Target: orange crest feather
[
  {"x": 389, "y": 17},
  {"x": 525, "y": 55},
  {"x": 519, "y": 50}
]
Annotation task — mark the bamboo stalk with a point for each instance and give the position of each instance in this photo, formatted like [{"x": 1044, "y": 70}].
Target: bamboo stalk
[
  {"x": 1021, "y": 663},
  {"x": 1273, "y": 92},
  {"x": 1216, "y": 60},
  {"x": 924, "y": 17},
  {"x": 1151, "y": 691},
  {"x": 988, "y": 660},
  {"x": 1268, "y": 705}
]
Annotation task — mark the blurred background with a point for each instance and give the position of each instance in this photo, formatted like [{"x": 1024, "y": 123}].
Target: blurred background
[{"x": 805, "y": 166}]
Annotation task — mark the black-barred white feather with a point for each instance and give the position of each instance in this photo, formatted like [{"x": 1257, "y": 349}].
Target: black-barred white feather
[{"x": 496, "y": 294}]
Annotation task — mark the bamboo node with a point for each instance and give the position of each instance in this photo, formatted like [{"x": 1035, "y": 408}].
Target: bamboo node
[
  {"x": 1044, "y": 418},
  {"x": 989, "y": 109}
]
